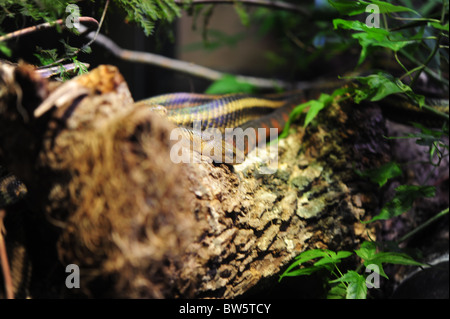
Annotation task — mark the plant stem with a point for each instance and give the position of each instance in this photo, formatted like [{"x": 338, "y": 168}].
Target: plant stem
[
  {"x": 424, "y": 65},
  {"x": 408, "y": 73},
  {"x": 42, "y": 26},
  {"x": 87, "y": 44},
  {"x": 433, "y": 53},
  {"x": 426, "y": 69},
  {"x": 424, "y": 225}
]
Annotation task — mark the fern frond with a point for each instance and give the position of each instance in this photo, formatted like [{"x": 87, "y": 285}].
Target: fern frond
[{"x": 147, "y": 12}]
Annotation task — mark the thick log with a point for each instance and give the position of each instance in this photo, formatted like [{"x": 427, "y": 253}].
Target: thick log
[{"x": 139, "y": 225}]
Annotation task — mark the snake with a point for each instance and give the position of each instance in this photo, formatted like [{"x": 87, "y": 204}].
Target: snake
[{"x": 228, "y": 111}]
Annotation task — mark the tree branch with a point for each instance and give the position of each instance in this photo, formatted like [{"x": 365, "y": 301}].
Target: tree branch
[
  {"x": 46, "y": 25},
  {"x": 182, "y": 66}
]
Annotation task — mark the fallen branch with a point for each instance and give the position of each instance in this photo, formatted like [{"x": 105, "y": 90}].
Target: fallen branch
[{"x": 181, "y": 66}]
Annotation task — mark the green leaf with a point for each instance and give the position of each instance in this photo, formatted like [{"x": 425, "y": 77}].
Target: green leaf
[
  {"x": 296, "y": 112},
  {"x": 376, "y": 87},
  {"x": 439, "y": 26},
  {"x": 80, "y": 67},
  {"x": 343, "y": 254},
  {"x": 300, "y": 259},
  {"x": 393, "y": 258},
  {"x": 381, "y": 174},
  {"x": 315, "y": 106},
  {"x": 328, "y": 259},
  {"x": 147, "y": 12},
  {"x": 311, "y": 254},
  {"x": 367, "y": 250},
  {"x": 370, "y": 38},
  {"x": 348, "y": 7},
  {"x": 356, "y": 285},
  {"x": 357, "y": 289},
  {"x": 375, "y": 37},
  {"x": 46, "y": 57},
  {"x": 300, "y": 272},
  {"x": 332, "y": 257},
  {"x": 381, "y": 258},
  {"x": 338, "y": 291},
  {"x": 5, "y": 50},
  {"x": 243, "y": 15},
  {"x": 229, "y": 84},
  {"x": 350, "y": 25},
  {"x": 386, "y": 7},
  {"x": 403, "y": 200}
]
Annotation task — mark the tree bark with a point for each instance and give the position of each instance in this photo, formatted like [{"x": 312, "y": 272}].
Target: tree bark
[{"x": 138, "y": 225}]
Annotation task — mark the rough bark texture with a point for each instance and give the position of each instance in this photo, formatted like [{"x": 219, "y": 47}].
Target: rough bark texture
[{"x": 99, "y": 176}]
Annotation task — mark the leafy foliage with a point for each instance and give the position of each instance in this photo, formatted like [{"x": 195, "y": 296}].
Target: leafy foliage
[
  {"x": 229, "y": 84},
  {"x": 351, "y": 284},
  {"x": 403, "y": 200},
  {"x": 382, "y": 174},
  {"x": 46, "y": 10},
  {"x": 418, "y": 40},
  {"x": 315, "y": 106},
  {"x": 146, "y": 12}
]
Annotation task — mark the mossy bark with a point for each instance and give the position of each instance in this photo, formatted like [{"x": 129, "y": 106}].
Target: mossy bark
[{"x": 139, "y": 225}]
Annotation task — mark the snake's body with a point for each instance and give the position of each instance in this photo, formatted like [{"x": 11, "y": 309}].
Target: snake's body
[
  {"x": 220, "y": 111},
  {"x": 223, "y": 112}
]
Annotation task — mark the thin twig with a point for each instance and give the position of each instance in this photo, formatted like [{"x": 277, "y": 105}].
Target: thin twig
[
  {"x": 430, "y": 72},
  {"x": 424, "y": 225},
  {"x": 433, "y": 52},
  {"x": 262, "y": 3},
  {"x": 46, "y": 25},
  {"x": 182, "y": 66},
  {"x": 87, "y": 44},
  {"x": 204, "y": 72}
]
